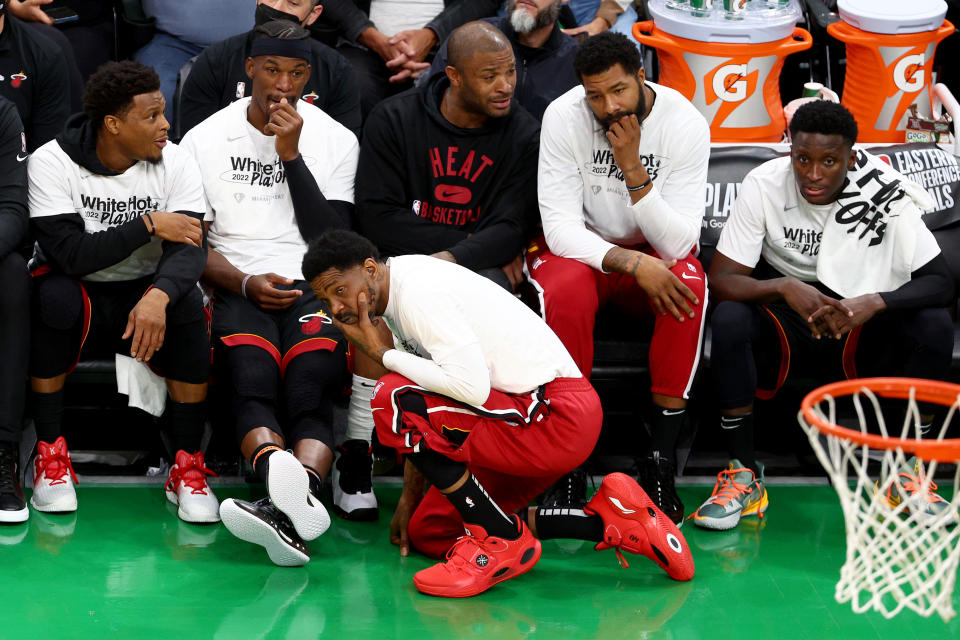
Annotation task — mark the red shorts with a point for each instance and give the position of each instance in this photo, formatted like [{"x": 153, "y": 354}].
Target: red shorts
[
  {"x": 572, "y": 292},
  {"x": 516, "y": 445}
]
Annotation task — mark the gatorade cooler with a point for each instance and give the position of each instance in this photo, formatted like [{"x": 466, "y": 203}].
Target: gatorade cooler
[
  {"x": 890, "y": 46},
  {"x": 728, "y": 68}
]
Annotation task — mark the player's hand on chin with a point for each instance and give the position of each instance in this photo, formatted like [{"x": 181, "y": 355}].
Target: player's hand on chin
[{"x": 363, "y": 333}]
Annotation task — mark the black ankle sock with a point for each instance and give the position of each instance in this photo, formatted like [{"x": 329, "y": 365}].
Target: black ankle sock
[
  {"x": 47, "y": 414},
  {"x": 316, "y": 482},
  {"x": 665, "y": 428},
  {"x": 476, "y": 507},
  {"x": 568, "y": 523},
  {"x": 184, "y": 424},
  {"x": 738, "y": 430},
  {"x": 261, "y": 458}
]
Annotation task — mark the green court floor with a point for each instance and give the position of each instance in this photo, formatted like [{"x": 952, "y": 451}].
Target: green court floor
[{"x": 126, "y": 567}]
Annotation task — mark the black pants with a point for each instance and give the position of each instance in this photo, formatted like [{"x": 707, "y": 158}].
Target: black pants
[
  {"x": 755, "y": 349},
  {"x": 372, "y": 76},
  {"x": 14, "y": 343}
]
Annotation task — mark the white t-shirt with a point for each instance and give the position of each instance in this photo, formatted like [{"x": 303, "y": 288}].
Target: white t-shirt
[
  {"x": 393, "y": 16},
  {"x": 770, "y": 218},
  {"x": 584, "y": 202},
  {"x": 58, "y": 185},
  {"x": 459, "y": 334},
  {"x": 253, "y": 224}
]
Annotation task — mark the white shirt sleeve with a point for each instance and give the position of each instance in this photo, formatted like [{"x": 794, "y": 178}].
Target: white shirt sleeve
[
  {"x": 671, "y": 213},
  {"x": 742, "y": 237},
  {"x": 189, "y": 145},
  {"x": 183, "y": 182},
  {"x": 48, "y": 184},
  {"x": 458, "y": 368},
  {"x": 560, "y": 192},
  {"x": 343, "y": 176},
  {"x": 926, "y": 248}
]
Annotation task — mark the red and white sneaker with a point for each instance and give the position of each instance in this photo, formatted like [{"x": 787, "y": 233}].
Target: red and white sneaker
[
  {"x": 187, "y": 487},
  {"x": 633, "y": 523},
  {"x": 477, "y": 561},
  {"x": 53, "y": 478}
]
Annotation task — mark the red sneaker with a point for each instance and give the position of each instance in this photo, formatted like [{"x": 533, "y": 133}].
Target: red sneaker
[
  {"x": 477, "y": 561},
  {"x": 632, "y": 522}
]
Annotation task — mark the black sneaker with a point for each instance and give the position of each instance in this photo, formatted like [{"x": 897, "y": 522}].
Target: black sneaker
[
  {"x": 13, "y": 506},
  {"x": 569, "y": 492},
  {"x": 656, "y": 476},
  {"x": 351, "y": 477},
  {"x": 262, "y": 523}
]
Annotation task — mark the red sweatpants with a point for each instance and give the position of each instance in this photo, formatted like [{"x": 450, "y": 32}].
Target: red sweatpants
[
  {"x": 516, "y": 445},
  {"x": 572, "y": 293}
]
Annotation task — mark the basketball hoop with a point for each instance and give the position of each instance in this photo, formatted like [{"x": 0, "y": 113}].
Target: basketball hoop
[{"x": 901, "y": 551}]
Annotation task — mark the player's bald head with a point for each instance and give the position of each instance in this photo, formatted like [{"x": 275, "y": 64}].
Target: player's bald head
[{"x": 473, "y": 38}]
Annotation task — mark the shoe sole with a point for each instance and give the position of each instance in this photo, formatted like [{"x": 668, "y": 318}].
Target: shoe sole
[
  {"x": 358, "y": 515},
  {"x": 63, "y": 506},
  {"x": 289, "y": 489},
  {"x": 513, "y": 573},
  {"x": 15, "y": 516},
  {"x": 250, "y": 528},
  {"x": 187, "y": 517}
]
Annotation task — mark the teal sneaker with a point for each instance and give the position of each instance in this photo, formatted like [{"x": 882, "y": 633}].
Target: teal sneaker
[
  {"x": 931, "y": 505},
  {"x": 738, "y": 493}
]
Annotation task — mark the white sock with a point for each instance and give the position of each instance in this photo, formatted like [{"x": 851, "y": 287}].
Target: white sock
[{"x": 359, "y": 415}]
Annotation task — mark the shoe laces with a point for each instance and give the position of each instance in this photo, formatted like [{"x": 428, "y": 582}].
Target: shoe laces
[
  {"x": 462, "y": 551},
  {"x": 727, "y": 488},
  {"x": 193, "y": 474},
  {"x": 8, "y": 470},
  {"x": 913, "y": 485},
  {"x": 568, "y": 491},
  {"x": 54, "y": 463}
]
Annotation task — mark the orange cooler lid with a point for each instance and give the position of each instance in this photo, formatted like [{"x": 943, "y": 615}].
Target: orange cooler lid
[
  {"x": 759, "y": 21},
  {"x": 893, "y": 16}
]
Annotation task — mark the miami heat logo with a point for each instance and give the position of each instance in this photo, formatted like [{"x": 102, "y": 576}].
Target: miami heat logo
[
  {"x": 312, "y": 323},
  {"x": 17, "y": 78},
  {"x": 310, "y": 97}
]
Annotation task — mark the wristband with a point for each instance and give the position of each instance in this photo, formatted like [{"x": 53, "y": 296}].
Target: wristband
[
  {"x": 243, "y": 285},
  {"x": 153, "y": 227},
  {"x": 641, "y": 186}
]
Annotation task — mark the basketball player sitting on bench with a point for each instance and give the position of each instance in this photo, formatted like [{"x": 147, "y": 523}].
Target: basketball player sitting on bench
[{"x": 824, "y": 269}]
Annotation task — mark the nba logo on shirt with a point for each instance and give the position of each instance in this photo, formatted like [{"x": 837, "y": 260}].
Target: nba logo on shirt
[
  {"x": 241, "y": 89},
  {"x": 416, "y": 207},
  {"x": 23, "y": 141}
]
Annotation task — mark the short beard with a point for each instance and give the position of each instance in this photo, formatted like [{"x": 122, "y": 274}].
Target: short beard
[
  {"x": 523, "y": 22},
  {"x": 607, "y": 121}
]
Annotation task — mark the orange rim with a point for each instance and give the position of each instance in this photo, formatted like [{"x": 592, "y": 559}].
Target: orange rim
[{"x": 942, "y": 393}]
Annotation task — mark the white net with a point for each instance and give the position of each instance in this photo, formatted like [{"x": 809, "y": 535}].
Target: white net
[{"x": 902, "y": 536}]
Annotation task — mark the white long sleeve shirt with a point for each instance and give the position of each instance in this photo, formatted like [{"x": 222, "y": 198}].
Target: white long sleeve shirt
[
  {"x": 584, "y": 203},
  {"x": 458, "y": 334}
]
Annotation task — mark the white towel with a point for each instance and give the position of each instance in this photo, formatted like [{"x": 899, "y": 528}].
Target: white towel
[
  {"x": 144, "y": 389},
  {"x": 868, "y": 244}
]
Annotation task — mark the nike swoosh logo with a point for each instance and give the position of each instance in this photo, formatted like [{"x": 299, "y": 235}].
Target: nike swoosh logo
[
  {"x": 232, "y": 138},
  {"x": 685, "y": 276},
  {"x": 617, "y": 504},
  {"x": 735, "y": 425},
  {"x": 19, "y": 159},
  {"x": 372, "y": 409},
  {"x": 673, "y": 413}
]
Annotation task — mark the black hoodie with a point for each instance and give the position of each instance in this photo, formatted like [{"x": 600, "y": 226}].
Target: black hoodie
[
  {"x": 66, "y": 245},
  {"x": 425, "y": 185},
  {"x": 13, "y": 179}
]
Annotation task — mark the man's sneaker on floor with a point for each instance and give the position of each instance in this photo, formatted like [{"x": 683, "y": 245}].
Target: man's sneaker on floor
[
  {"x": 353, "y": 496},
  {"x": 53, "y": 478},
  {"x": 187, "y": 488},
  {"x": 262, "y": 523},
  {"x": 737, "y": 493},
  {"x": 930, "y": 504},
  {"x": 13, "y": 506},
  {"x": 289, "y": 489},
  {"x": 656, "y": 474},
  {"x": 633, "y": 523},
  {"x": 569, "y": 492},
  {"x": 477, "y": 561}
]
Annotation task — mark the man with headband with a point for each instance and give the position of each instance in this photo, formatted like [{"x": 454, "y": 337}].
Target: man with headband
[
  {"x": 278, "y": 172},
  {"x": 623, "y": 169},
  {"x": 219, "y": 77}
]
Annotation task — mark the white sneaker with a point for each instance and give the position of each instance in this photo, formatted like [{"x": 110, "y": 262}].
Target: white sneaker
[
  {"x": 187, "y": 488},
  {"x": 289, "y": 489},
  {"x": 353, "y": 496},
  {"x": 53, "y": 478}
]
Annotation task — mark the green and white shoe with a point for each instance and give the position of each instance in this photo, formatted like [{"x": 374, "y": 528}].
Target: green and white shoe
[
  {"x": 737, "y": 493},
  {"x": 931, "y": 504}
]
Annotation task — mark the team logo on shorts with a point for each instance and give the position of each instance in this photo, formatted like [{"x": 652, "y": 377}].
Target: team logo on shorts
[
  {"x": 482, "y": 560},
  {"x": 310, "y": 98},
  {"x": 312, "y": 323}
]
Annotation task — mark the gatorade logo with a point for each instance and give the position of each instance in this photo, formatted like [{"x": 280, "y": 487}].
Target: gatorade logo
[
  {"x": 908, "y": 73},
  {"x": 729, "y": 82}
]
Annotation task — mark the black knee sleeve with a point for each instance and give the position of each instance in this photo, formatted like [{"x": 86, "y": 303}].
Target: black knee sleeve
[
  {"x": 931, "y": 331},
  {"x": 255, "y": 377},
  {"x": 56, "y": 322},
  {"x": 309, "y": 384},
  {"x": 731, "y": 359}
]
